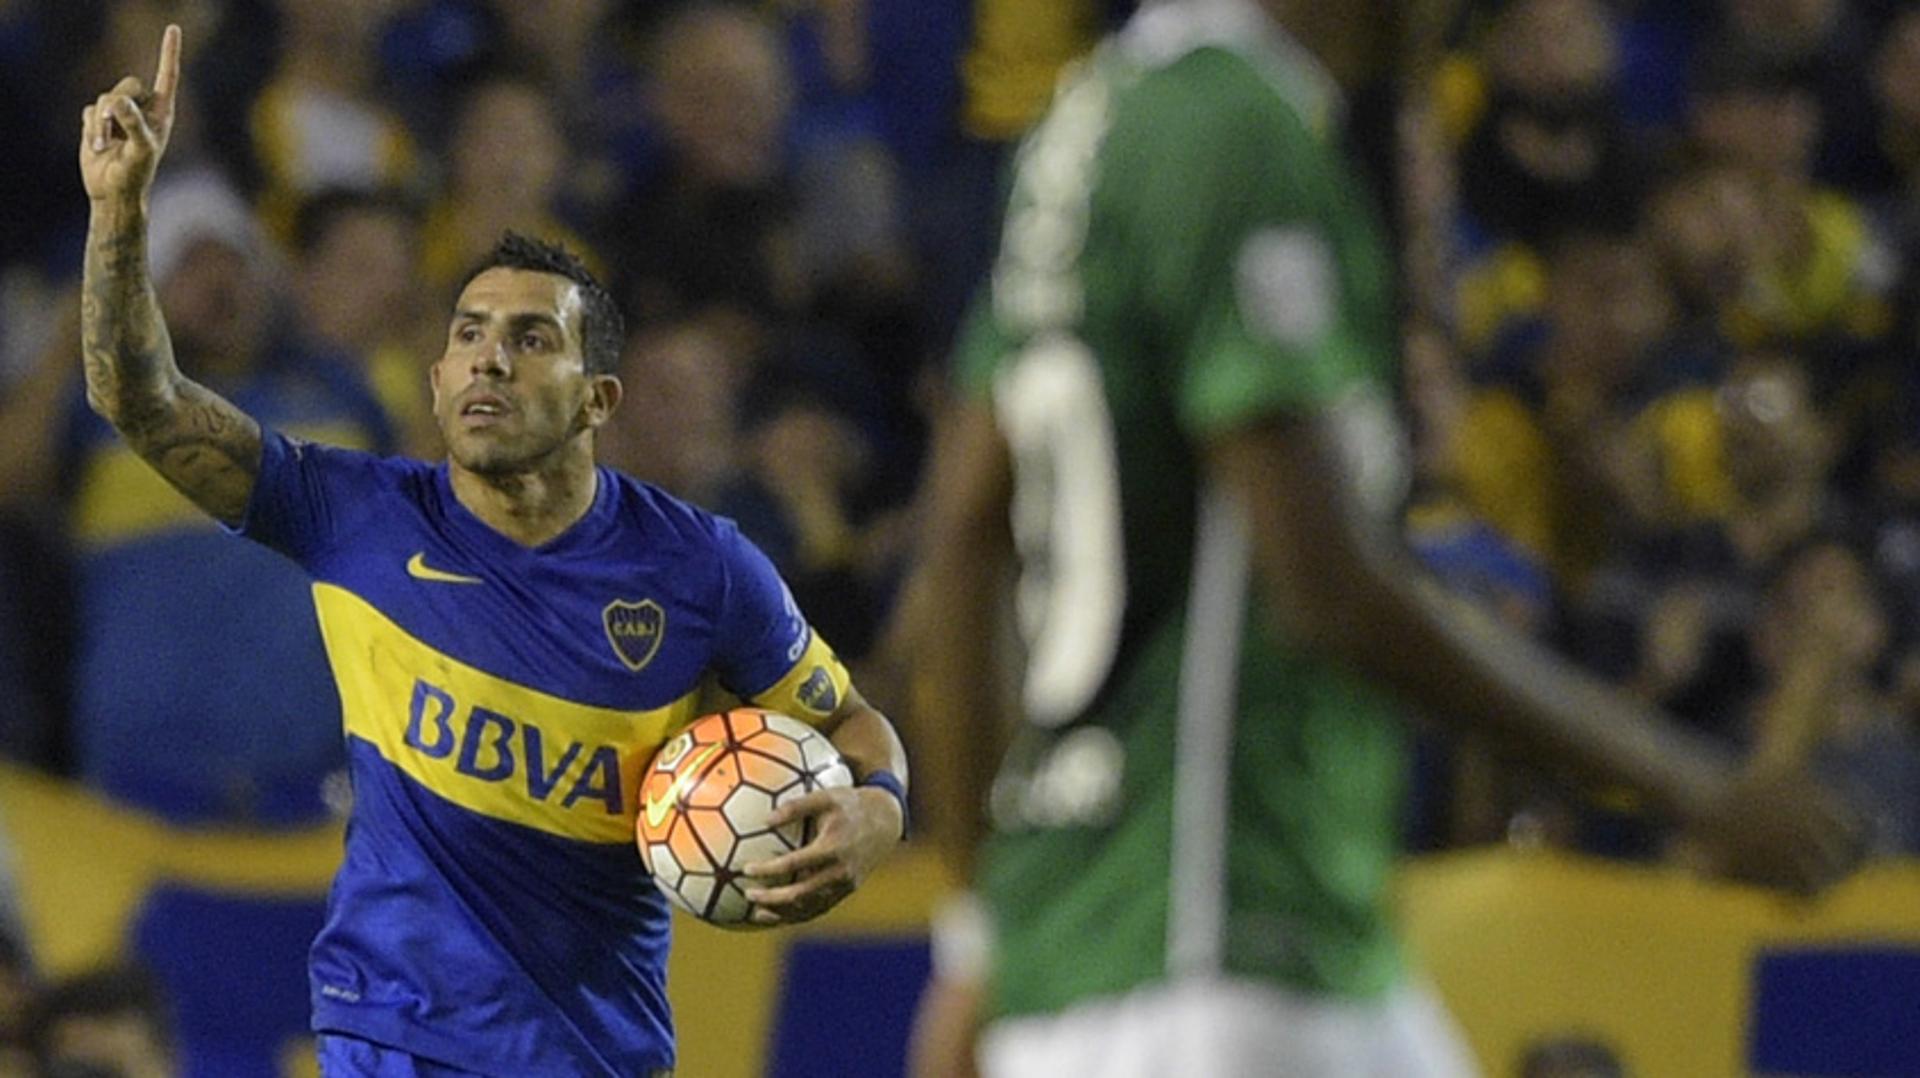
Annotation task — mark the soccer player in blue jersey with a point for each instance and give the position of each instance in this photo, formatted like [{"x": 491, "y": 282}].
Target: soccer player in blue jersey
[{"x": 513, "y": 632}]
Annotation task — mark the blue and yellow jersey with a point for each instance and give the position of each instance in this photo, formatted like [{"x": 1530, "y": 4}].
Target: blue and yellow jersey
[{"x": 492, "y": 911}]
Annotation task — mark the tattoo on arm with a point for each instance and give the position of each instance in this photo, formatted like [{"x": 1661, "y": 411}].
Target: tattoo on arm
[{"x": 196, "y": 439}]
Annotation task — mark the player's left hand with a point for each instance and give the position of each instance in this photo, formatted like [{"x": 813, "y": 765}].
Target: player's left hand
[{"x": 854, "y": 828}]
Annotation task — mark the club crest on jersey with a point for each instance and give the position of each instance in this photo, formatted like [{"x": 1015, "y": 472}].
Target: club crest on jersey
[
  {"x": 635, "y": 630},
  {"x": 818, "y": 694}
]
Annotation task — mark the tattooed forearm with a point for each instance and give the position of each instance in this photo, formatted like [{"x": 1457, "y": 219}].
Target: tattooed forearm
[
  {"x": 200, "y": 442},
  {"x": 129, "y": 359}
]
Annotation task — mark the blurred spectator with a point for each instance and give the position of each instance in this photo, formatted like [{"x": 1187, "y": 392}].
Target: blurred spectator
[
  {"x": 110, "y": 1023},
  {"x": 171, "y": 711},
  {"x": 1707, "y": 225},
  {"x": 583, "y": 54},
  {"x": 736, "y": 218},
  {"x": 1752, "y": 110},
  {"x": 1826, "y": 45},
  {"x": 320, "y": 121},
  {"x": 1667, "y": 607},
  {"x": 1819, "y": 639},
  {"x": 357, "y": 294},
  {"x": 506, "y": 160},
  {"x": 1547, "y": 146},
  {"x": 717, "y": 226},
  {"x": 676, "y": 426},
  {"x": 1545, "y": 446},
  {"x": 1824, "y": 276},
  {"x": 853, "y": 254},
  {"x": 555, "y": 42},
  {"x": 1548, "y": 154},
  {"x": 806, "y": 457},
  {"x": 569, "y": 48}
]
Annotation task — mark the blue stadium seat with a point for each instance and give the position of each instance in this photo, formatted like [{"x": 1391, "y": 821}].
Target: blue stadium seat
[
  {"x": 1843, "y": 1012},
  {"x": 846, "y": 1007}
]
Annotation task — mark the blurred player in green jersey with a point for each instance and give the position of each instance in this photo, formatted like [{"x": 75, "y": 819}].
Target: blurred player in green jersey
[{"x": 1178, "y": 389}]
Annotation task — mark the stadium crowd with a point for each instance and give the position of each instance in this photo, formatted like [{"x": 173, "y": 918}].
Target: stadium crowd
[{"x": 1662, "y": 311}]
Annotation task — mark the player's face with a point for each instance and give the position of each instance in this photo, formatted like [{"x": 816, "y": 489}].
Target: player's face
[{"x": 511, "y": 389}]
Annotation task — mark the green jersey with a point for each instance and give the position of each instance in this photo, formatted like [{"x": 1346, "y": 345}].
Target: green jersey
[{"x": 1185, "y": 252}]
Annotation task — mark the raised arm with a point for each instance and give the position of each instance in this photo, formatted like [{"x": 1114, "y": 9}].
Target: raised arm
[{"x": 200, "y": 442}]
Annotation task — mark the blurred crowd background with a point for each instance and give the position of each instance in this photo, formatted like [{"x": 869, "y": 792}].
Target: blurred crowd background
[{"x": 1661, "y": 299}]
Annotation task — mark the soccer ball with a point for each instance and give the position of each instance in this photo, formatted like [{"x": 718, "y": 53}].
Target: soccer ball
[{"x": 705, "y": 798}]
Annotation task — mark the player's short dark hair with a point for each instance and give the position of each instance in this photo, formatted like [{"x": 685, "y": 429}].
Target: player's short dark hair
[
  {"x": 318, "y": 214},
  {"x": 603, "y": 332}
]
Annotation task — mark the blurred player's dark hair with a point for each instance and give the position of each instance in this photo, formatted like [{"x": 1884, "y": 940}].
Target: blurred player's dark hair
[{"x": 603, "y": 331}]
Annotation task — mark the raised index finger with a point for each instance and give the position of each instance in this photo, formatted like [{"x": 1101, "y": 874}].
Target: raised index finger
[{"x": 168, "y": 76}]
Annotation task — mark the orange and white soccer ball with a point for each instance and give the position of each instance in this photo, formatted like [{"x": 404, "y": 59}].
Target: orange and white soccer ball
[{"x": 705, "y": 798}]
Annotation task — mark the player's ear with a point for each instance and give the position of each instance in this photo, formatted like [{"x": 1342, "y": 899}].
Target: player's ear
[{"x": 603, "y": 396}]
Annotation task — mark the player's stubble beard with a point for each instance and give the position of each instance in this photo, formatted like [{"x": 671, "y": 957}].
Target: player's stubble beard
[{"x": 500, "y": 460}]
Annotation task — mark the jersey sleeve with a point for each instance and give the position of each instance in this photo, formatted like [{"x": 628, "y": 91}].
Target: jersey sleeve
[
  {"x": 1239, "y": 236},
  {"x": 302, "y": 495},
  {"x": 768, "y": 654}
]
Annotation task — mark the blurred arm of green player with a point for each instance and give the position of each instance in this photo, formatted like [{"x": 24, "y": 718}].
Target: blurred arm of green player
[{"x": 1339, "y": 582}]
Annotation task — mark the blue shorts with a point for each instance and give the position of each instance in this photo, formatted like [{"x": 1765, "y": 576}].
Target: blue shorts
[{"x": 344, "y": 1056}]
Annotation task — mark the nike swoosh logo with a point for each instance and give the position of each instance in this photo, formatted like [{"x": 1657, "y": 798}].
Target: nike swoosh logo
[
  {"x": 418, "y": 568},
  {"x": 657, "y": 808}
]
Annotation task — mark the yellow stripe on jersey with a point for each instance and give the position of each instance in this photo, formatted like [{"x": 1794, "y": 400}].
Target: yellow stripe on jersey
[
  {"x": 813, "y": 689},
  {"x": 120, "y": 498},
  {"x": 487, "y": 744}
]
